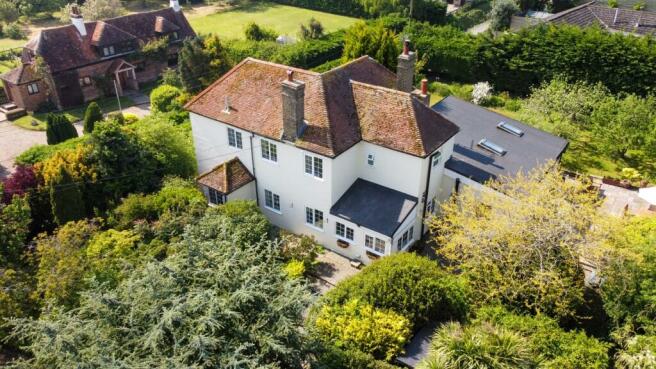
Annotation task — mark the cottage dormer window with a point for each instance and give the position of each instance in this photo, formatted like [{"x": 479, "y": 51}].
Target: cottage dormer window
[{"x": 109, "y": 51}]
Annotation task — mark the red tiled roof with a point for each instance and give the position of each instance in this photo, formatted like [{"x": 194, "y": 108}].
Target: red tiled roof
[
  {"x": 20, "y": 75},
  {"x": 227, "y": 177},
  {"x": 164, "y": 26},
  {"x": 64, "y": 48},
  {"x": 338, "y": 110},
  {"x": 639, "y": 22}
]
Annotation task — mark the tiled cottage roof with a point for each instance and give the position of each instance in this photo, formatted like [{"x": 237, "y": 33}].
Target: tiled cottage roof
[
  {"x": 164, "y": 26},
  {"x": 348, "y": 104},
  {"x": 227, "y": 177},
  {"x": 64, "y": 48},
  {"x": 20, "y": 75},
  {"x": 615, "y": 19}
]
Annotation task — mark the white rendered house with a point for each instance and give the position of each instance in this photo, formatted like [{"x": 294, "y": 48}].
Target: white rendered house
[{"x": 354, "y": 156}]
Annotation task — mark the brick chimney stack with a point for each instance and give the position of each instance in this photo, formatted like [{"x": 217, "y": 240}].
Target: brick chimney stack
[
  {"x": 422, "y": 94},
  {"x": 405, "y": 69},
  {"x": 293, "y": 108},
  {"x": 77, "y": 20},
  {"x": 175, "y": 4}
]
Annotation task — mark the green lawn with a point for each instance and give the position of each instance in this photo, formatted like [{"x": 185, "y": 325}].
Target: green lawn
[
  {"x": 7, "y": 65},
  {"x": 7, "y": 43},
  {"x": 107, "y": 105},
  {"x": 282, "y": 18}
]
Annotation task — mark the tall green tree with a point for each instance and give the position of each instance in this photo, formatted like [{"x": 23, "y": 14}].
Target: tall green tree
[
  {"x": 501, "y": 14},
  {"x": 92, "y": 115},
  {"x": 14, "y": 228},
  {"x": 192, "y": 64},
  {"x": 212, "y": 304},
  {"x": 374, "y": 40},
  {"x": 66, "y": 198},
  {"x": 59, "y": 129}
]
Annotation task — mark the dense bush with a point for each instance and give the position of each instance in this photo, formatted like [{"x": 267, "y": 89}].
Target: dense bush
[
  {"x": 372, "y": 39},
  {"x": 59, "y": 129},
  {"x": 554, "y": 348},
  {"x": 359, "y": 326},
  {"x": 166, "y": 98},
  {"x": 92, "y": 115},
  {"x": 14, "y": 31},
  {"x": 255, "y": 32},
  {"x": 333, "y": 358},
  {"x": 411, "y": 285},
  {"x": 425, "y": 10}
]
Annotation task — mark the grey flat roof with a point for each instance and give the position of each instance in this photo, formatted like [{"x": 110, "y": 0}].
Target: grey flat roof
[
  {"x": 417, "y": 349},
  {"x": 524, "y": 153},
  {"x": 375, "y": 207}
]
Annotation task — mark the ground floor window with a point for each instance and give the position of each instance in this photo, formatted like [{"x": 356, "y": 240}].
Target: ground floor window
[
  {"x": 272, "y": 200},
  {"x": 406, "y": 238},
  {"x": 314, "y": 218},
  {"x": 343, "y": 231},
  {"x": 374, "y": 244},
  {"x": 216, "y": 197}
]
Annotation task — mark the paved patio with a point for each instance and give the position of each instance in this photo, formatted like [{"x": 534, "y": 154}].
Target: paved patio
[
  {"x": 331, "y": 269},
  {"x": 618, "y": 201}
]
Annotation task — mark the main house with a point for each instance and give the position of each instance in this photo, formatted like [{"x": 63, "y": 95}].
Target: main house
[
  {"x": 354, "y": 157},
  {"x": 86, "y": 60}
]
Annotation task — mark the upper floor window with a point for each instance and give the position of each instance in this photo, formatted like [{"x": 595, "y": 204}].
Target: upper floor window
[
  {"x": 33, "y": 88},
  {"x": 371, "y": 160},
  {"x": 234, "y": 138},
  {"x": 343, "y": 231},
  {"x": 269, "y": 151},
  {"x": 314, "y": 166},
  {"x": 272, "y": 200},
  {"x": 436, "y": 158},
  {"x": 109, "y": 50},
  {"x": 374, "y": 244},
  {"x": 314, "y": 218},
  {"x": 216, "y": 197},
  {"x": 85, "y": 81}
]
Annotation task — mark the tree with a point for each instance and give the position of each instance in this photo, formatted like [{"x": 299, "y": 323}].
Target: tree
[
  {"x": 92, "y": 115},
  {"x": 16, "y": 300},
  {"x": 93, "y": 10},
  {"x": 14, "y": 228},
  {"x": 627, "y": 267},
  {"x": 192, "y": 64},
  {"x": 59, "y": 129},
  {"x": 638, "y": 352},
  {"x": 481, "y": 346},
  {"x": 166, "y": 98},
  {"x": 374, "y": 40},
  {"x": 219, "y": 64},
  {"x": 66, "y": 198},
  {"x": 8, "y": 11},
  {"x": 501, "y": 14},
  {"x": 210, "y": 304},
  {"x": 255, "y": 32},
  {"x": 520, "y": 242},
  {"x": 625, "y": 124},
  {"x": 19, "y": 183},
  {"x": 312, "y": 31}
]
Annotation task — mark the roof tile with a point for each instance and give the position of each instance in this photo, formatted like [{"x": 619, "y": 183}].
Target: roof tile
[{"x": 227, "y": 177}]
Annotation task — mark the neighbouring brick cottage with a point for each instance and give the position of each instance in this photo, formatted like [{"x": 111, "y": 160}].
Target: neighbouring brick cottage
[{"x": 83, "y": 60}]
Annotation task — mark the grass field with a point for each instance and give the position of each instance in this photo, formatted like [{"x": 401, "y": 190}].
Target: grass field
[
  {"x": 285, "y": 20},
  {"x": 108, "y": 104}
]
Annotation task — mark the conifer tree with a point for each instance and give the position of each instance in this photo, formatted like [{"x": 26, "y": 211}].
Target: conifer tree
[
  {"x": 59, "y": 129},
  {"x": 66, "y": 198},
  {"x": 192, "y": 64},
  {"x": 92, "y": 115}
]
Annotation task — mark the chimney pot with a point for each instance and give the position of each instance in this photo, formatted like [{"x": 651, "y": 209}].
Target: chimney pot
[
  {"x": 406, "y": 47},
  {"x": 290, "y": 75},
  {"x": 424, "y": 86}
]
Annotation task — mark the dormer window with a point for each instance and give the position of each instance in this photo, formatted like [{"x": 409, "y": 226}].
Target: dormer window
[
  {"x": 174, "y": 36},
  {"x": 109, "y": 51}
]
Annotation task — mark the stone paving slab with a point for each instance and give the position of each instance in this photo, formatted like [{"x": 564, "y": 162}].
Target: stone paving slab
[
  {"x": 331, "y": 269},
  {"x": 618, "y": 201}
]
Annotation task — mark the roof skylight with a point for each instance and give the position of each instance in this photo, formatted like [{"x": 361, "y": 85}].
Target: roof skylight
[
  {"x": 510, "y": 129},
  {"x": 491, "y": 146}
]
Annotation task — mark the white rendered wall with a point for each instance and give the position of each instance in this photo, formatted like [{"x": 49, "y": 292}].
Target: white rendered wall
[
  {"x": 246, "y": 192},
  {"x": 211, "y": 143}
]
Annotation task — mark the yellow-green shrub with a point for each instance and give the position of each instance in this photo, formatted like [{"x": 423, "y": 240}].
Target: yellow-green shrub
[
  {"x": 360, "y": 326},
  {"x": 295, "y": 269}
]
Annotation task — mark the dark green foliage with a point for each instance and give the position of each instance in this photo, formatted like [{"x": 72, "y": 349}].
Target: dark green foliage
[
  {"x": 410, "y": 285},
  {"x": 501, "y": 14},
  {"x": 255, "y": 32},
  {"x": 374, "y": 40},
  {"x": 192, "y": 64},
  {"x": 166, "y": 98},
  {"x": 424, "y": 10},
  {"x": 59, "y": 129},
  {"x": 92, "y": 115},
  {"x": 313, "y": 30},
  {"x": 14, "y": 229},
  {"x": 66, "y": 199},
  {"x": 211, "y": 304},
  {"x": 334, "y": 358},
  {"x": 554, "y": 347}
]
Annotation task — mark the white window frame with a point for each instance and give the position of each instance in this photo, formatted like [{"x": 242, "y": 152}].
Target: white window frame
[
  {"x": 235, "y": 138},
  {"x": 275, "y": 200},
  {"x": 109, "y": 51},
  {"x": 406, "y": 239},
  {"x": 313, "y": 214},
  {"x": 346, "y": 232},
  {"x": 313, "y": 170},
  {"x": 33, "y": 88},
  {"x": 269, "y": 151},
  {"x": 215, "y": 197},
  {"x": 371, "y": 160},
  {"x": 371, "y": 242}
]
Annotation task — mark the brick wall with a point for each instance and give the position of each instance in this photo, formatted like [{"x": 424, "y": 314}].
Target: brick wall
[
  {"x": 20, "y": 96},
  {"x": 93, "y": 71}
]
